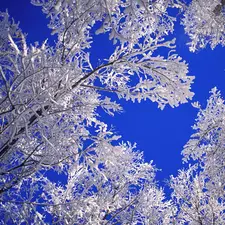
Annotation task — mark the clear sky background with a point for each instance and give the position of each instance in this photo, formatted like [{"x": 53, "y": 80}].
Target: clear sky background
[{"x": 160, "y": 134}]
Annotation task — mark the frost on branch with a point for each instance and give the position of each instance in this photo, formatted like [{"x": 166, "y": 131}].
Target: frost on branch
[
  {"x": 160, "y": 79},
  {"x": 49, "y": 97},
  {"x": 137, "y": 74},
  {"x": 206, "y": 146},
  {"x": 199, "y": 190},
  {"x": 207, "y": 143},
  {"x": 204, "y": 22},
  {"x": 198, "y": 198},
  {"x": 105, "y": 184},
  {"x": 125, "y": 20},
  {"x": 44, "y": 112},
  {"x": 49, "y": 101}
]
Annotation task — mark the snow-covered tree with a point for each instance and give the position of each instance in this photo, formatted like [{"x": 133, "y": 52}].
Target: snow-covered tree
[
  {"x": 49, "y": 95},
  {"x": 104, "y": 184},
  {"x": 204, "y": 22},
  {"x": 59, "y": 163},
  {"x": 49, "y": 120},
  {"x": 199, "y": 190}
]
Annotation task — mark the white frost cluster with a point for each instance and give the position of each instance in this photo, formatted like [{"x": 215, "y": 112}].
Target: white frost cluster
[
  {"x": 204, "y": 22},
  {"x": 50, "y": 128}
]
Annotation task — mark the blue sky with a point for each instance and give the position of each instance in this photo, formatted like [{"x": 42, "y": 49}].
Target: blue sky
[{"x": 160, "y": 134}]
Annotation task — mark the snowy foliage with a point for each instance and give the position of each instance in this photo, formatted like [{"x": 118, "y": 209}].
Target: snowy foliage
[
  {"x": 105, "y": 184},
  {"x": 204, "y": 22},
  {"x": 207, "y": 143},
  {"x": 59, "y": 163},
  {"x": 200, "y": 200},
  {"x": 49, "y": 121},
  {"x": 199, "y": 190}
]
